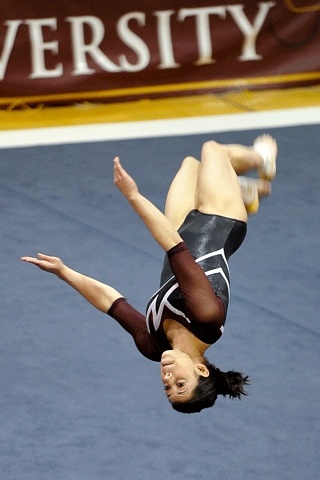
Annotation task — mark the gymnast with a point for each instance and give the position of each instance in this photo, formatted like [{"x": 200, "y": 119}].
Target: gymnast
[{"x": 204, "y": 223}]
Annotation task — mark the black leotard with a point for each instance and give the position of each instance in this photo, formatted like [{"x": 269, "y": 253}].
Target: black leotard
[{"x": 194, "y": 288}]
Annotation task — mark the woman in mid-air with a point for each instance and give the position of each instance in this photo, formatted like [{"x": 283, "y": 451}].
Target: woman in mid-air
[{"x": 205, "y": 222}]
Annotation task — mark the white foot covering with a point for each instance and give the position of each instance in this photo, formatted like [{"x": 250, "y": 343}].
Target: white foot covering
[
  {"x": 250, "y": 195},
  {"x": 266, "y": 147}
]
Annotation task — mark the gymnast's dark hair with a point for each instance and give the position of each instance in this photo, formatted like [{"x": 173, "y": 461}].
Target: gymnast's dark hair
[{"x": 217, "y": 383}]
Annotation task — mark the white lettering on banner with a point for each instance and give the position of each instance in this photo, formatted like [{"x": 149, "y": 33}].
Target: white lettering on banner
[
  {"x": 135, "y": 42},
  {"x": 204, "y": 33},
  {"x": 82, "y": 53},
  {"x": 38, "y": 47},
  {"x": 250, "y": 32},
  {"x": 203, "y": 29},
  {"x": 81, "y": 49},
  {"x": 9, "y": 39},
  {"x": 165, "y": 39}
]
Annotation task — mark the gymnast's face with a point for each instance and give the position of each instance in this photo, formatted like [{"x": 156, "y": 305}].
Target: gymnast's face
[{"x": 179, "y": 375}]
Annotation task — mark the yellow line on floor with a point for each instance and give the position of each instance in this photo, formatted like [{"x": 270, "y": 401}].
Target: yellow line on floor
[
  {"x": 177, "y": 107},
  {"x": 168, "y": 89}
]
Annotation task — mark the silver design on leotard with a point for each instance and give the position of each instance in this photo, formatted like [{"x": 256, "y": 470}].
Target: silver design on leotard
[{"x": 157, "y": 314}]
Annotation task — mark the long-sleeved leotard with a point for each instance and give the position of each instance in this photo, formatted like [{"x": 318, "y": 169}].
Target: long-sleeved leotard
[{"x": 195, "y": 285}]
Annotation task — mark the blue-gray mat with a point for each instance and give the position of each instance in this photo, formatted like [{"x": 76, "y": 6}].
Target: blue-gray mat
[{"x": 78, "y": 402}]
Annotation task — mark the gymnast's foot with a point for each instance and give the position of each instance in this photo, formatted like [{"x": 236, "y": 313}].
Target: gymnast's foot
[
  {"x": 252, "y": 190},
  {"x": 266, "y": 147}
]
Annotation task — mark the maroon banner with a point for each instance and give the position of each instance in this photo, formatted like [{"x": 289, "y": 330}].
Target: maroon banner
[{"x": 62, "y": 51}]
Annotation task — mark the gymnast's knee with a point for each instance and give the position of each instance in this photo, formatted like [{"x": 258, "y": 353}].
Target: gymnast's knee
[
  {"x": 210, "y": 148},
  {"x": 189, "y": 162}
]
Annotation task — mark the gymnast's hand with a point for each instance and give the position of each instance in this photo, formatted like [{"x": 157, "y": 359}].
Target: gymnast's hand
[
  {"x": 46, "y": 263},
  {"x": 123, "y": 180}
]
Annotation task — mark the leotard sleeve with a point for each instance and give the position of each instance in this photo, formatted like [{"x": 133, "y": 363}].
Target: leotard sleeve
[
  {"x": 203, "y": 306},
  {"x": 135, "y": 324}
]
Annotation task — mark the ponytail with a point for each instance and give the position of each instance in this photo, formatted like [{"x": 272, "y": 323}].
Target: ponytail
[{"x": 230, "y": 383}]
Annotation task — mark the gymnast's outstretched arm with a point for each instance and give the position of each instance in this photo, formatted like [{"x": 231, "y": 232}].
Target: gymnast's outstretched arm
[
  {"x": 104, "y": 298},
  {"x": 159, "y": 226},
  {"x": 100, "y": 295}
]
